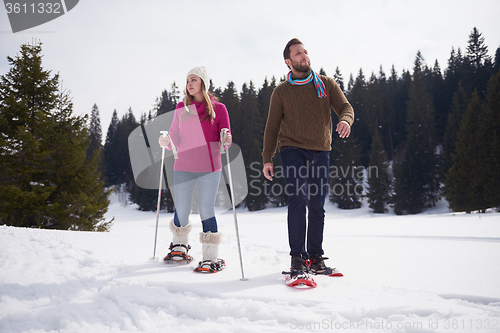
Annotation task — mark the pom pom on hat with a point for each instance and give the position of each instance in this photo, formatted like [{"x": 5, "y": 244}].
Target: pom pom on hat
[{"x": 201, "y": 71}]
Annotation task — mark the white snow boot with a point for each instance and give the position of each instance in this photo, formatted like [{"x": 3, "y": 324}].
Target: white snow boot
[
  {"x": 210, "y": 249},
  {"x": 179, "y": 246}
]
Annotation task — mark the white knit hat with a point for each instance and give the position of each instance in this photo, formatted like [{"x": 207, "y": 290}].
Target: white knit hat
[{"x": 201, "y": 71}]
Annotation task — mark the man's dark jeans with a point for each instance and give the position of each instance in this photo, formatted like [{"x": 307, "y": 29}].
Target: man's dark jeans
[{"x": 306, "y": 173}]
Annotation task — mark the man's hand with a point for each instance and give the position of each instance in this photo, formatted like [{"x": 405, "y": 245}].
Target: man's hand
[
  {"x": 343, "y": 129},
  {"x": 268, "y": 171}
]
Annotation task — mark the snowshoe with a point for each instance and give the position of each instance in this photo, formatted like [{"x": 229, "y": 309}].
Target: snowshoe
[
  {"x": 318, "y": 267},
  {"x": 177, "y": 255},
  {"x": 298, "y": 276},
  {"x": 299, "y": 279},
  {"x": 209, "y": 266}
]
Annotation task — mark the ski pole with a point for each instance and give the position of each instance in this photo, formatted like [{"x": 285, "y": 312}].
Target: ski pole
[
  {"x": 174, "y": 150},
  {"x": 223, "y": 135},
  {"x": 154, "y": 258}
]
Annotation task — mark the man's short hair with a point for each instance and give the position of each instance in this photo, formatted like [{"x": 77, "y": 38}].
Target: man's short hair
[{"x": 286, "y": 52}]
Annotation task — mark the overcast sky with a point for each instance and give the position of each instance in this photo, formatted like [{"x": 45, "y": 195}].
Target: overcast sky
[{"x": 124, "y": 53}]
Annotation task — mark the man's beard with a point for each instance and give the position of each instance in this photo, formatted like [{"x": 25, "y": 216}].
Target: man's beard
[{"x": 298, "y": 67}]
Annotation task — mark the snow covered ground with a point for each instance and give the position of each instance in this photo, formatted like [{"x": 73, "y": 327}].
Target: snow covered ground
[{"x": 432, "y": 272}]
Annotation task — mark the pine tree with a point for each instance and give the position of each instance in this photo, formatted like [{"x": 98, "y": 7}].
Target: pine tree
[
  {"x": 264, "y": 97},
  {"x": 375, "y": 108},
  {"x": 417, "y": 183},
  {"x": 338, "y": 78},
  {"x": 350, "y": 83},
  {"x": 110, "y": 152},
  {"x": 357, "y": 96},
  {"x": 496, "y": 64},
  {"x": 455, "y": 117},
  {"x": 477, "y": 64},
  {"x": 452, "y": 76},
  {"x": 378, "y": 177},
  {"x": 116, "y": 153},
  {"x": 492, "y": 190},
  {"x": 229, "y": 97},
  {"x": 127, "y": 124},
  {"x": 47, "y": 179},
  {"x": 80, "y": 194},
  {"x": 168, "y": 100},
  {"x": 346, "y": 174},
  {"x": 277, "y": 197},
  {"x": 435, "y": 86},
  {"x": 27, "y": 95},
  {"x": 400, "y": 105},
  {"x": 249, "y": 108},
  {"x": 95, "y": 132},
  {"x": 477, "y": 51},
  {"x": 386, "y": 119},
  {"x": 391, "y": 93},
  {"x": 467, "y": 179},
  {"x": 251, "y": 133}
]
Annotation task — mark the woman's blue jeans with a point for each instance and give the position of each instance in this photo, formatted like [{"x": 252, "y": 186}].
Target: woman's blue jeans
[
  {"x": 306, "y": 174},
  {"x": 184, "y": 184}
]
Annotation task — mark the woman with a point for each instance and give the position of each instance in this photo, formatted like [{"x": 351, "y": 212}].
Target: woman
[{"x": 195, "y": 132}]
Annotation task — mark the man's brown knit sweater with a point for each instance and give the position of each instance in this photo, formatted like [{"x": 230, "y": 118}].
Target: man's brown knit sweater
[{"x": 298, "y": 117}]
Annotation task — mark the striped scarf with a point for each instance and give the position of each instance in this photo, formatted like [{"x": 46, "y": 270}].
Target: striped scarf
[{"x": 320, "y": 87}]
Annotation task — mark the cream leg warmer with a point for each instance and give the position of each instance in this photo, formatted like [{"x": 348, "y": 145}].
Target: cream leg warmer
[
  {"x": 180, "y": 236},
  {"x": 210, "y": 245}
]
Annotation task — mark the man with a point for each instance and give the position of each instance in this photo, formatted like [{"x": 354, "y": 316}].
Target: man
[{"x": 300, "y": 124}]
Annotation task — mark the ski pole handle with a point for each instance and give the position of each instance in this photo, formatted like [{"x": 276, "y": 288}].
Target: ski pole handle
[
  {"x": 174, "y": 149},
  {"x": 223, "y": 137},
  {"x": 164, "y": 135}
]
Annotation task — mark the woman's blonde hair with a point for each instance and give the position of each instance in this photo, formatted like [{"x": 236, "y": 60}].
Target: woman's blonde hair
[{"x": 209, "y": 112}]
